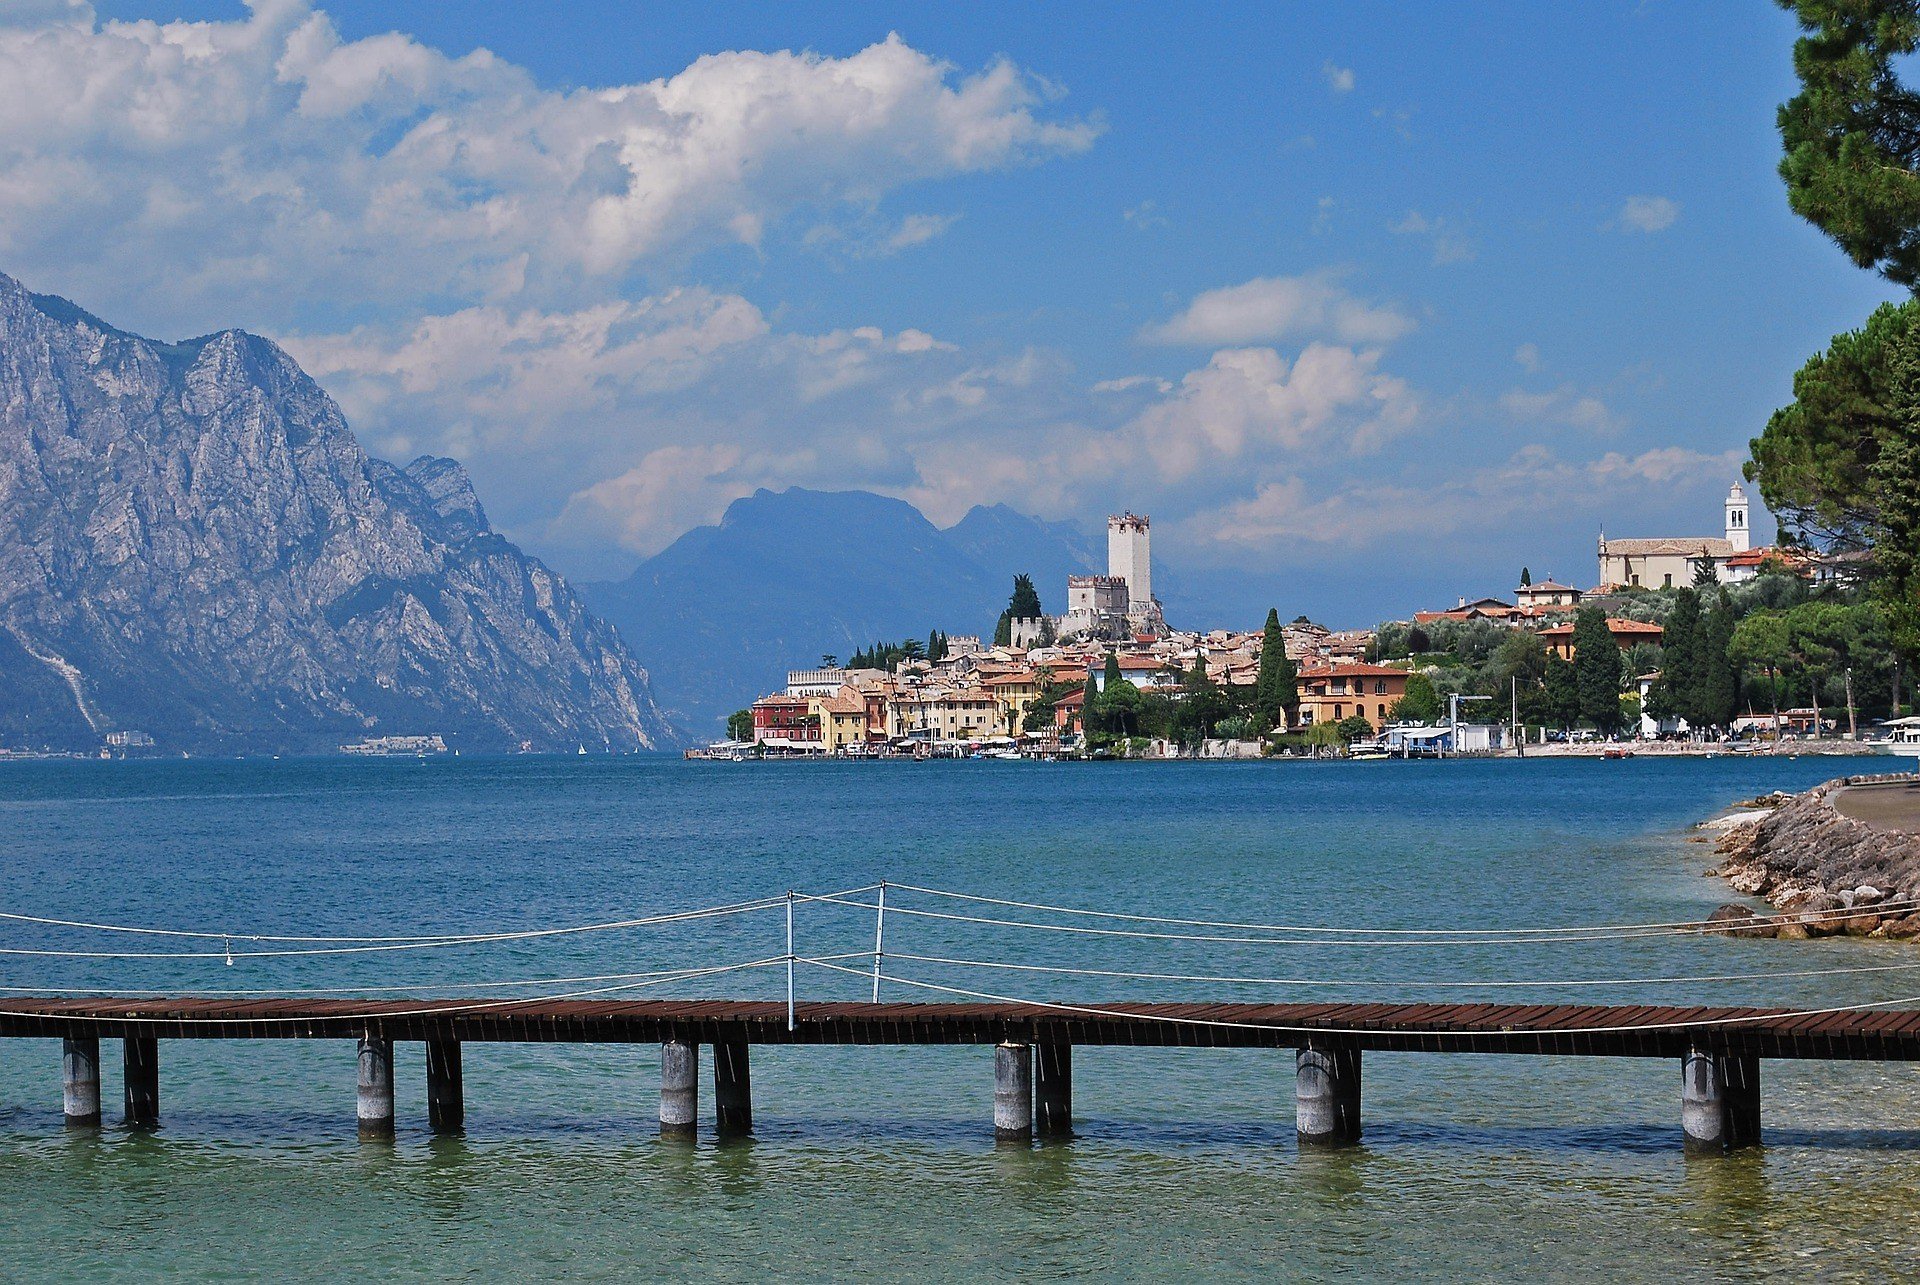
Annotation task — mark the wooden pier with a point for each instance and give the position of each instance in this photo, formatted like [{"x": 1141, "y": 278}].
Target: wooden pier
[{"x": 1718, "y": 1050}]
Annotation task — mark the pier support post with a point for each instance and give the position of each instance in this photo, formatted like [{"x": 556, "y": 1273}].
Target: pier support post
[
  {"x": 446, "y": 1092},
  {"x": 732, "y": 1090},
  {"x": 141, "y": 1078},
  {"x": 80, "y": 1079},
  {"x": 679, "y": 1088},
  {"x": 1326, "y": 1094},
  {"x": 1719, "y": 1100},
  {"x": 374, "y": 1103},
  {"x": 1013, "y": 1092},
  {"x": 1053, "y": 1089}
]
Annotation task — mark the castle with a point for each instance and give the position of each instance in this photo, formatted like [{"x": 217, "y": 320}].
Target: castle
[{"x": 1120, "y": 603}]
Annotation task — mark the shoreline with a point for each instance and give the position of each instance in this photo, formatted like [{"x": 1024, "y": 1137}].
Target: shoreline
[{"x": 1829, "y": 865}]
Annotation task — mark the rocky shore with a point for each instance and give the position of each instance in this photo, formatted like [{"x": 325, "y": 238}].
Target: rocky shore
[{"x": 1828, "y": 873}]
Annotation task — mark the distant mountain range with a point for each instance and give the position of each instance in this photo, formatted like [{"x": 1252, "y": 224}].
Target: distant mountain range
[
  {"x": 723, "y": 612},
  {"x": 193, "y": 545}
]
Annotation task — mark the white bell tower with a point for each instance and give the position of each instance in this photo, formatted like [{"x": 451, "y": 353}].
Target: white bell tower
[{"x": 1738, "y": 534}]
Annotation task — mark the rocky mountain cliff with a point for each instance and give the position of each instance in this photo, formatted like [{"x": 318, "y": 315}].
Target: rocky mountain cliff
[
  {"x": 726, "y": 610},
  {"x": 193, "y": 545}
]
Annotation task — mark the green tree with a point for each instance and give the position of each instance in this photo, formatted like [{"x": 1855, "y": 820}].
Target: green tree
[
  {"x": 1025, "y": 603},
  {"x": 740, "y": 725},
  {"x": 1673, "y": 695},
  {"x": 1716, "y": 677},
  {"x": 1814, "y": 461},
  {"x": 1276, "y": 691},
  {"x": 1526, "y": 577},
  {"x": 1852, "y": 133},
  {"x": 1354, "y": 727},
  {"x": 1202, "y": 704},
  {"x": 1763, "y": 641},
  {"x": 1561, "y": 688},
  {"x": 1596, "y": 669},
  {"x": 1420, "y": 703},
  {"x": 1895, "y": 480}
]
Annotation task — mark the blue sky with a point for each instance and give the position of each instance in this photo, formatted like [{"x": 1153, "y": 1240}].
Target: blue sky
[{"x": 1368, "y": 306}]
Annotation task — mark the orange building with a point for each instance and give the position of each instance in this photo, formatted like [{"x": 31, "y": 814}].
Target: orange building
[
  {"x": 1329, "y": 693},
  {"x": 1559, "y": 639}
]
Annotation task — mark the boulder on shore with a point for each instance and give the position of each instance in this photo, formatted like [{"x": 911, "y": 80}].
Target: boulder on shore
[{"x": 1837, "y": 875}]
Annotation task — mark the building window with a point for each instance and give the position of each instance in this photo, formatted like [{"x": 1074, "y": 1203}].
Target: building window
[{"x": 1669, "y": 583}]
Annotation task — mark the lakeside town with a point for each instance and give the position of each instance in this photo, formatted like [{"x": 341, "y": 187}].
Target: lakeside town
[{"x": 1708, "y": 640}]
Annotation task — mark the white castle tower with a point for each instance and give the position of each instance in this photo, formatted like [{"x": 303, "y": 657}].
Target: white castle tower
[
  {"x": 1738, "y": 534},
  {"x": 1128, "y": 558}
]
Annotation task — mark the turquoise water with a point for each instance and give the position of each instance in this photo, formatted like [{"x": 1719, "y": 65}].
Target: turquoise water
[{"x": 879, "y": 1163}]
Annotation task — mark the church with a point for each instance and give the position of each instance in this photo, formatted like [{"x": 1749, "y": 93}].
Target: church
[{"x": 1674, "y": 562}]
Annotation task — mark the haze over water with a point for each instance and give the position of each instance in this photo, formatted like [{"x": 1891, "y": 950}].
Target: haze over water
[{"x": 880, "y": 1162}]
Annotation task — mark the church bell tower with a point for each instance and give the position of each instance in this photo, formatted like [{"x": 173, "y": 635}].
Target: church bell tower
[{"x": 1738, "y": 534}]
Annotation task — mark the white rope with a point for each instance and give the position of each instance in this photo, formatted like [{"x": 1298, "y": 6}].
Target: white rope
[
  {"x": 1904, "y": 903},
  {"x": 1388, "y": 983},
  {"x": 1325, "y": 942},
  {"x": 368, "y": 943},
  {"x": 1522, "y": 1032},
  {"x": 438, "y": 1010}
]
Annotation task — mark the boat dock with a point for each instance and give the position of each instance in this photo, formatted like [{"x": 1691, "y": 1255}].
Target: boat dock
[{"x": 1717, "y": 1051}]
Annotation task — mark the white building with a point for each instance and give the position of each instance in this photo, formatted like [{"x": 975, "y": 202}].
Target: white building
[{"x": 1673, "y": 562}]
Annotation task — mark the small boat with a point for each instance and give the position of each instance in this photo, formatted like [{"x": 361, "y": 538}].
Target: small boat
[
  {"x": 1615, "y": 752},
  {"x": 1903, "y": 736},
  {"x": 1368, "y": 751}
]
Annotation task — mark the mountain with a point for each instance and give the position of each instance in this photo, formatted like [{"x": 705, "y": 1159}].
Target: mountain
[
  {"x": 193, "y": 545},
  {"x": 723, "y": 612}
]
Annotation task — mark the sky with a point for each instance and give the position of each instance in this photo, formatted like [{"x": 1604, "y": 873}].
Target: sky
[{"x": 1368, "y": 307}]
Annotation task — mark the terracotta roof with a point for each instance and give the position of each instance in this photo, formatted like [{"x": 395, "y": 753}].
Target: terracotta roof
[
  {"x": 1615, "y": 625},
  {"x": 1546, "y": 586},
  {"x": 1672, "y": 546},
  {"x": 1354, "y": 670}
]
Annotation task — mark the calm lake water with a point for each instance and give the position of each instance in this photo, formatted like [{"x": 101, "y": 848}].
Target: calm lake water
[{"x": 879, "y": 1163}]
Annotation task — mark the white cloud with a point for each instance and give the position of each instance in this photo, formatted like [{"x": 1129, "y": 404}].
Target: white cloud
[
  {"x": 1128, "y": 383},
  {"x": 1528, "y": 357},
  {"x": 1562, "y": 405},
  {"x": 1144, "y": 216},
  {"x": 235, "y": 166},
  {"x": 1339, "y": 79},
  {"x": 1648, "y": 214},
  {"x": 918, "y": 229},
  {"x": 1450, "y": 245},
  {"x": 1484, "y": 501},
  {"x": 1268, "y": 308}
]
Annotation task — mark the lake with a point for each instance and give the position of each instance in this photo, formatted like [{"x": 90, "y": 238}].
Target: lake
[{"x": 880, "y": 1163}]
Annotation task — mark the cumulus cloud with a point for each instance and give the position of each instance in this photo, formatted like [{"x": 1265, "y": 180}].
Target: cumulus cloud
[
  {"x": 1527, "y": 356},
  {"x": 1269, "y": 308},
  {"x": 1648, "y": 214},
  {"x": 1339, "y": 79},
  {"x": 235, "y": 165}
]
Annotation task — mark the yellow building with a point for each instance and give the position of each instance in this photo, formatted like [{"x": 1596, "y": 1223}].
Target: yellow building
[
  {"x": 843, "y": 718},
  {"x": 1015, "y": 692},
  {"x": 945, "y": 714}
]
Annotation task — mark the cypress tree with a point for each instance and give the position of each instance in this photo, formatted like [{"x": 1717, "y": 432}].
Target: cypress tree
[
  {"x": 1716, "y": 679},
  {"x": 1679, "y": 662},
  {"x": 1562, "y": 699},
  {"x": 1596, "y": 669},
  {"x": 1276, "y": 691},
  {"x": 1526, "y": 577}
]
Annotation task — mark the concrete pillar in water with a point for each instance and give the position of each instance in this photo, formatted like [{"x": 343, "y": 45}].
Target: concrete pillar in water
[
  {"x": 1326, "y": 1094},
  {"x": 1740, "y": 1089},
  {"x": 80, "y": 1078},
  {"x": 1013, "y": 1092},
  {"x": 732, "y": 1090},
  {"x": 679, "y": 1088},
  {"x": 1719, "y": 1100},
  {"x": 375, "y": 1100},
  {"x": 446, "y": 1093},
  {"x": 141, "y": 1077},
  {"x": 1053, "y": 1089}
]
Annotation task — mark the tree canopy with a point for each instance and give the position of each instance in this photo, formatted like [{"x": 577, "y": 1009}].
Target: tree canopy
[
  {"x": 1596, "y": 669},
  {"x": 1276, "y": 689},
  {"x": 1852, "y": 134}
]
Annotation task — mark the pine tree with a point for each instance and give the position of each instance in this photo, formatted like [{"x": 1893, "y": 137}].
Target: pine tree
[
  {"x": 1596, "y": 669},
  {"x": 1526, "y": 577},
  {"x": 1276, "y": 691},
  {"x": 1895, "y": 477}
]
